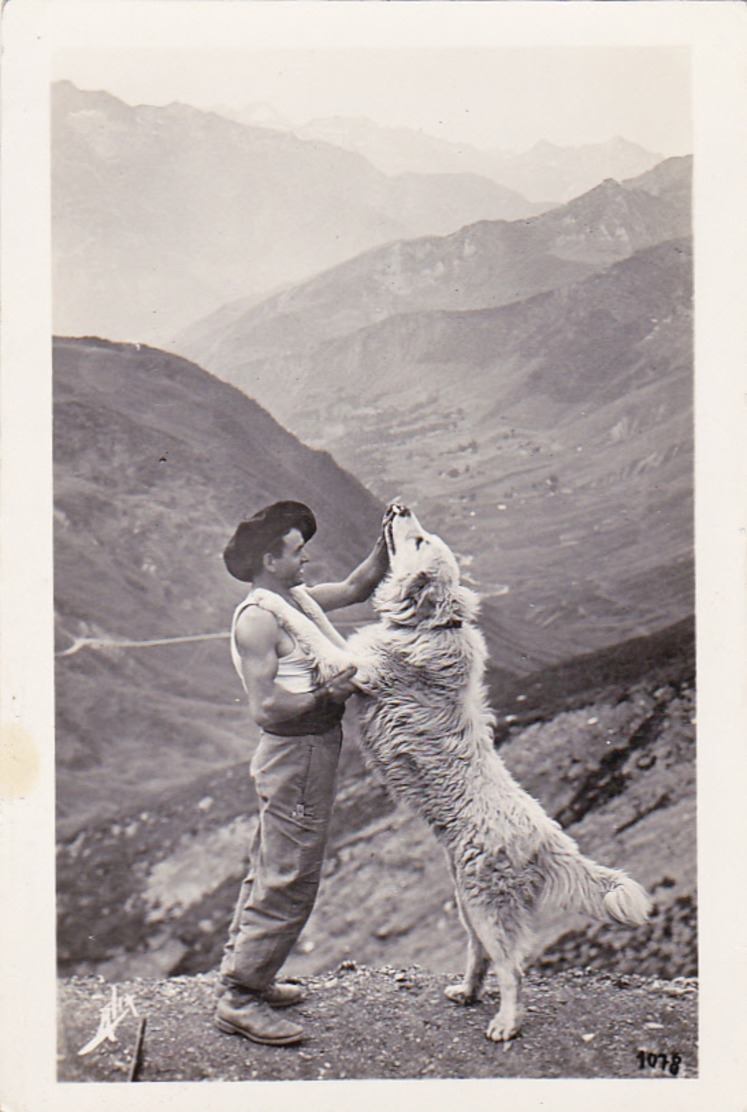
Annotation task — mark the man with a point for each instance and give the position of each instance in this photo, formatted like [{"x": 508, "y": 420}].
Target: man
[{"x": 297, "y": 677}]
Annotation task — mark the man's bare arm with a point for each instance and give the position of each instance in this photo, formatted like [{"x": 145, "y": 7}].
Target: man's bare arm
[
  {"x": 256, "y": 639},
  {"x": 359, "y": 585}
]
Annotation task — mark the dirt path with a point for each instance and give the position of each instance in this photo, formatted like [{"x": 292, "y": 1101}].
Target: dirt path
[
  {"x": 389, "y": 1023},
  {"x": 113, "y": 643},
  {"x": 79, "y": 643}
]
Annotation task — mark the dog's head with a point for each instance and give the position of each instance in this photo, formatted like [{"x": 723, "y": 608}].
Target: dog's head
[{"x": 423, "y": 584}]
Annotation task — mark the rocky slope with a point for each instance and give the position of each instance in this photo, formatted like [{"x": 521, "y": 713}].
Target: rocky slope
[
  {"x": 162, "y": 214},
  {"x": 609, "y": 751},
  {"x": 390, "y": 1023}
]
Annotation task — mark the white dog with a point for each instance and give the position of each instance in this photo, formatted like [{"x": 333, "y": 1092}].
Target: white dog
[{"x": 427, "y": 728}]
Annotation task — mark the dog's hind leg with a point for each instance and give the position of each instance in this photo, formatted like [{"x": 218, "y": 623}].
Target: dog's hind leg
[
  {"x": 507, "y": 937},
  {"x": 478, "y": 960},
  {"x": 507, "y": 1020}
]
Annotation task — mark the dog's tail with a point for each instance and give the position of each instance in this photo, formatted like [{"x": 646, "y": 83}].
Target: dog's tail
[{"x": 577, "y": 882}]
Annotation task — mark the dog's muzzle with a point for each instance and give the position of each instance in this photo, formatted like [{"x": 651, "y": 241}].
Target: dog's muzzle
[
  {"x": 389, "y": 535},
  {"x": 394, "y": 509}
]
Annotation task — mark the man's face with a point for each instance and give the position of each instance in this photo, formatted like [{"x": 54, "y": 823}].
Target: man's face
[{"x": 288, "y": 568}]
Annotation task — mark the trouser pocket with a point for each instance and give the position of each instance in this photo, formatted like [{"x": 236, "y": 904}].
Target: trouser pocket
[
  {"x": 297, "y": 776},
  {"x": 304, "y": 805}
]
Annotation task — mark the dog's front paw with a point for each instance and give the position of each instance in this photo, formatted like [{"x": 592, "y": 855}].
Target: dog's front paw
[
  {"x": 461, "y": 994},
  {"x": 503, "y": 1027},
  {"x": 365, "y": 684}
]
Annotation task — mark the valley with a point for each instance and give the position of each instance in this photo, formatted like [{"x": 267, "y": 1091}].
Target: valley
[{"x": 527, "y": 386}]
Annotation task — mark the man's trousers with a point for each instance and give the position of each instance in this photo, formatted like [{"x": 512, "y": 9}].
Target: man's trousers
[{"x": 295, "y": 779}]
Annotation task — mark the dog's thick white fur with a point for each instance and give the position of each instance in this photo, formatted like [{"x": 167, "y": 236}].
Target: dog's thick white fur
[{"x": 427, "y": 728}]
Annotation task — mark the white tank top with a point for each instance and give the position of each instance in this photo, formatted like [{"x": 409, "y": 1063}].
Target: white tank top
[
  {"x": 299, "y": 671},
  {"x": 294, "y": 672}
]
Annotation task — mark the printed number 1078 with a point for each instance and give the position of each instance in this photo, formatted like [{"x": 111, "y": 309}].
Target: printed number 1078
[{"x": 661, "y": 1061}]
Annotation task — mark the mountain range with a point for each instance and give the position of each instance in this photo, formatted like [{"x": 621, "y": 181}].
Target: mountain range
[
  {"x": 545, "y": 172},
  {"x": 481, "y": 266},
  {"x": 528, "y": 385},
  {"x": 163, "y": 214}
]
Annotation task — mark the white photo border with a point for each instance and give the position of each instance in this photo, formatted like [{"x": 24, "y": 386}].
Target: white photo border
[{"x": 716, "y": 34}]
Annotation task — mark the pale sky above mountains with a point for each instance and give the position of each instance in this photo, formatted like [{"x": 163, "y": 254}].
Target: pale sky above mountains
[{"x": 489, "y": 98}]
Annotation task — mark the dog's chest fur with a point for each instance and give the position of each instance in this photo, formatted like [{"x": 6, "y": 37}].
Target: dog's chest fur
[{"x": 425, "y": 721}]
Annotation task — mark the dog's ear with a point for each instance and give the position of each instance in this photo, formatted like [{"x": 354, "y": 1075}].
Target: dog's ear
[
  {"x": 417, "y": 585},
  {"x": 424, "y": 594}
]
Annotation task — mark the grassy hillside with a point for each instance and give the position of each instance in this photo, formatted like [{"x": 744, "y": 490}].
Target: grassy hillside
[{"x": 155, "y": 463}]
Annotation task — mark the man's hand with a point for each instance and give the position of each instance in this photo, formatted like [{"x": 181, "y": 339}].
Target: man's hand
[
  {"x": 359, "y": 585},
  {"x": 341, "y": 686},
  {"x": 380, "y": 557}
]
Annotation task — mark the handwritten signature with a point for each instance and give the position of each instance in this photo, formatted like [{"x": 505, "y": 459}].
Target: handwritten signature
[{"x": 112, "y": 1015}]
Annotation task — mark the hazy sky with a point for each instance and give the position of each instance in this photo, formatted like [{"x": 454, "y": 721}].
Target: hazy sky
[{"x": 506, "y": 98}]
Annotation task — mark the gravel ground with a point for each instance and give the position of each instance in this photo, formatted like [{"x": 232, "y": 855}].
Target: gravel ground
[{"x": 390, "y": 1023}]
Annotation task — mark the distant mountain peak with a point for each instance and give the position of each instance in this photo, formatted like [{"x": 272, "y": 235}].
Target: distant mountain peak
[
  {"x": 256, "y": 114},
  {"x": 544, "y": 145},
  {"x": 620, "y": 143}
]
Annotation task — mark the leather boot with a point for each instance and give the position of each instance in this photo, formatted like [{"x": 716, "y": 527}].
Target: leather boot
[
  {"x": 279, "y": 994},
  {"x": 252, "y": 1017},
  {"x": 282, "y": 994}
]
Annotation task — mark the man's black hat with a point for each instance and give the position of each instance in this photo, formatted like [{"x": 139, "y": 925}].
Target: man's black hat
[{"x": 258, "y": 535}]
